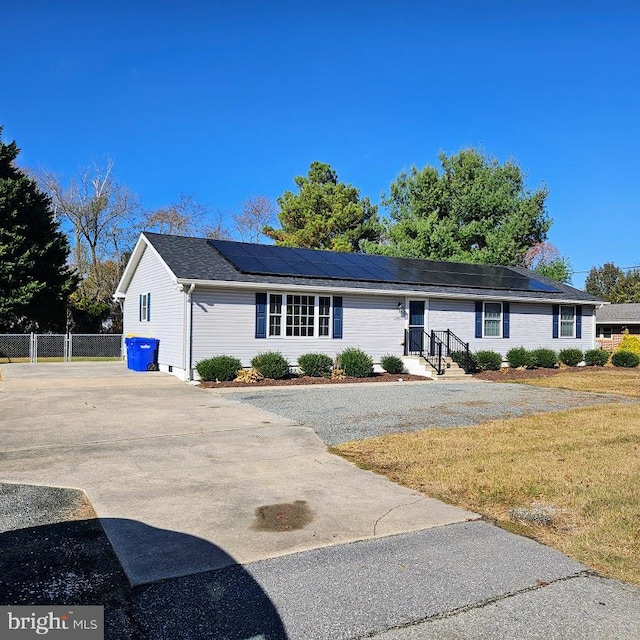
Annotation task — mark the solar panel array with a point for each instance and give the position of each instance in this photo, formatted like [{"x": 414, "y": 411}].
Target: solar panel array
[{"x": 262, "y": 259}]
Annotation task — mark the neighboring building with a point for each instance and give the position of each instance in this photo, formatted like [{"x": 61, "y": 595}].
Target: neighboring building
[
  {"x": 611, "y": 322},
  {"x": 202, "y": 298}
]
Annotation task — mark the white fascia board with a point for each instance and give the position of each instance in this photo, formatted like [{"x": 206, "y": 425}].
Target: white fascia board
[
  {"x": 141, "y": 245},
  {"x": 264, "y": 286}
]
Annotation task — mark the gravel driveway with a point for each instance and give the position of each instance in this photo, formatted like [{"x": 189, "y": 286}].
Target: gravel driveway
[{"x": 341, "y": 413}]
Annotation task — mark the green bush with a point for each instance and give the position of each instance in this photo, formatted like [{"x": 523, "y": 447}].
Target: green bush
[
  {"x": 596, "y": 357},
  {"x": 470, "y": 364},
  {"x": 317, "y": 365},
  {"x": 392, "y": 364},
  {"x": 488, "y": 360},
  {"x": 571, "y": 357},
  {"x": 544, "y": 358},
  {"x": 221, "y": 368},
  {"x": 626, "y": 359},
  {"x": 518, "y": 357},
  {"x": 271, "y": 364},
  {"x": 355, "y": 363}
]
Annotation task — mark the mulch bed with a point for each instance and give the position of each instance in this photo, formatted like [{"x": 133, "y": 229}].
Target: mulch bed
[
  {"x": 507, "y": 374},
  {"x": 293, "y": 380}
]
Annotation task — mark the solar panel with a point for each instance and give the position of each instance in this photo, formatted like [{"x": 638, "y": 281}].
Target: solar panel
[{"x": 262, "y": 259}]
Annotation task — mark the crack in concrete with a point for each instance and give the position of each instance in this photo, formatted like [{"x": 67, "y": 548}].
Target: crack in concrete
[
  {"x": 399, "y": 506},
  {"x": 479, "y": 605}
]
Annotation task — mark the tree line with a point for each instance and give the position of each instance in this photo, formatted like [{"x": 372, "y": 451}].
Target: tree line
[{"x": 63, "y": 246}]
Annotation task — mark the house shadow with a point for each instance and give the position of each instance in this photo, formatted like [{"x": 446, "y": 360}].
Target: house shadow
[{"x": 73, "y": 563}]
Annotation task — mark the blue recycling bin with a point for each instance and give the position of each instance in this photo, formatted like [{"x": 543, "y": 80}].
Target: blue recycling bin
[{"x": 142, "y": 353}]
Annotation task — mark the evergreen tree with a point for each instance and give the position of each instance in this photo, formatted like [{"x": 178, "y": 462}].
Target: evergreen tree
[
  {"x": 35, "y": 282},
  {"x": 325, "y": 214},
  {"x": 471, "y": 210}
]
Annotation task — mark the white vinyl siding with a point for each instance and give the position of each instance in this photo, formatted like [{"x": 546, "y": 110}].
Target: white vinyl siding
[
  {"x": 165, "y": 314},
  {"x": 224, "y": 323},
  {"x": 531, "y": 326}
]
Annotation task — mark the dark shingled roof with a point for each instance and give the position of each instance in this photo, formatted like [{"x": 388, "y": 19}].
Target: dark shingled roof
[
  {"x": 619, "y": 313},
  {"x": 196, "y": 259}
]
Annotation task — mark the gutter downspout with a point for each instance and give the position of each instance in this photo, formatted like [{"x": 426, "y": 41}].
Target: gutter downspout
[{"x": 188, "y": 336}]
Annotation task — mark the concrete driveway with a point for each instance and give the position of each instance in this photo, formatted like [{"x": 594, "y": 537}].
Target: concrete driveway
[
  {"x": 149, "y": 449},
  {"x": 189, "y": 483}
]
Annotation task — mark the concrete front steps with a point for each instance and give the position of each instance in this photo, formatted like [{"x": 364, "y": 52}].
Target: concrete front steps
[{"x": 418, "y": 366}]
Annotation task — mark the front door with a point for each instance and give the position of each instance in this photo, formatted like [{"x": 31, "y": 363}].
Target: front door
[{"x": 416, "y": 326}]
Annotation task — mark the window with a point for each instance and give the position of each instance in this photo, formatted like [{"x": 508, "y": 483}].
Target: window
[
  {"x": 567, "y": 321},
  {"x": 300, "y": 315},
  {"x": 282, "y": 315},
  {"x": 492, "y": 319},
  {"x": 324, "y": 315},
  {"x": 275, "y": 314},
  {"x": 145, "y": 307},
  {"x": 605, "y": 332}
]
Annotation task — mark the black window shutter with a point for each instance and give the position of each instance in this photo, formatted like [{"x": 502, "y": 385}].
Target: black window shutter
[
  {"x": 261, "y": 315},
  {"x": 556, "y": 318},
  {"x": 579, "y": 321},
  {"x": 478, "y": 319},
  {"x": 140, "y": 308},
  {"x": 149, "y": 307},
  {"x": 506, "y": 320},
  {"x": 337, "y": 317}
]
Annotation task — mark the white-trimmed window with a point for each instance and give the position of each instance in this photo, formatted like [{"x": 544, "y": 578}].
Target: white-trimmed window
[
  {"x": 300, "y": 318},
  {"x": 324, "y": 316},
  {"x": 285, "y": 315},
  {"x": 492, "y": 320},
  {"x": 275, "y": 314},
  {"x": 145, "y": 307},
  {"x": 567, "y": 321}
]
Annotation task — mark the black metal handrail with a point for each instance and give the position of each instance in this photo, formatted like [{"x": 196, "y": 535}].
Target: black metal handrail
[
  {"x": 435, "y": 346},
  {"x": 456, "y": 349},
  {"x": 417, "y": 342}
]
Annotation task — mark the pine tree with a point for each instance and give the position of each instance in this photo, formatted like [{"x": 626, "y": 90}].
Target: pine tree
[{"x": 35, "y": 282}]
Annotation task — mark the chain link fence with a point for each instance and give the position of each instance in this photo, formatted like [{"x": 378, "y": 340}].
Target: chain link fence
[{"x": 59, "y": 347}]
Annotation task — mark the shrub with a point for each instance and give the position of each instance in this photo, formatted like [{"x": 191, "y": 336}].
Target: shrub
[
  {"x": 317, "y": 365},
  {"x": 392, "y": 364},
  {"x": 571, "y": 357},
  {"x": 460, "y": 358},
  {"x": 488, "y": 360},
  {"x": 518, "y": 357},
  {"x": 271, "y": 364},
  {"x": 545, "y": 358},
  {"x": 625, "y": 359},
  {"x": 630, "y": 343},
  {"x": 355, "y": 363},
  {"x": 596, "y": 357},
  {"x": 221, "y": 368}
]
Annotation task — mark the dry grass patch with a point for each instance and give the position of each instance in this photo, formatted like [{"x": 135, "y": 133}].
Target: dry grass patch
[
  {"x": 574, "y": 474},
  {"x": 625, "y": 382}
]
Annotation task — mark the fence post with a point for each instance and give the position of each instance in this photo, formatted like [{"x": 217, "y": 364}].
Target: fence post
[
  {"x": 67, "y": 347},
  {"x": 33, "y": 348}
]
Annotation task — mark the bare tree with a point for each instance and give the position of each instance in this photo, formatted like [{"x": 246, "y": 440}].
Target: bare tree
[
  {"x": 217, "y": 229},
  {"x": 257, "y": 212},
  {"x": 101, "y": 212},
  {"x": 182, "y": 217}
]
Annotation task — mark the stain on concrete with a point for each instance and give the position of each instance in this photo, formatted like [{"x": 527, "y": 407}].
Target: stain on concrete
[{"x": 287, "y": 516}]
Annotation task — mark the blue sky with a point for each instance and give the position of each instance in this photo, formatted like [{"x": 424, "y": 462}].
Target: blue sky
[{"x": 229, "y": 100}]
